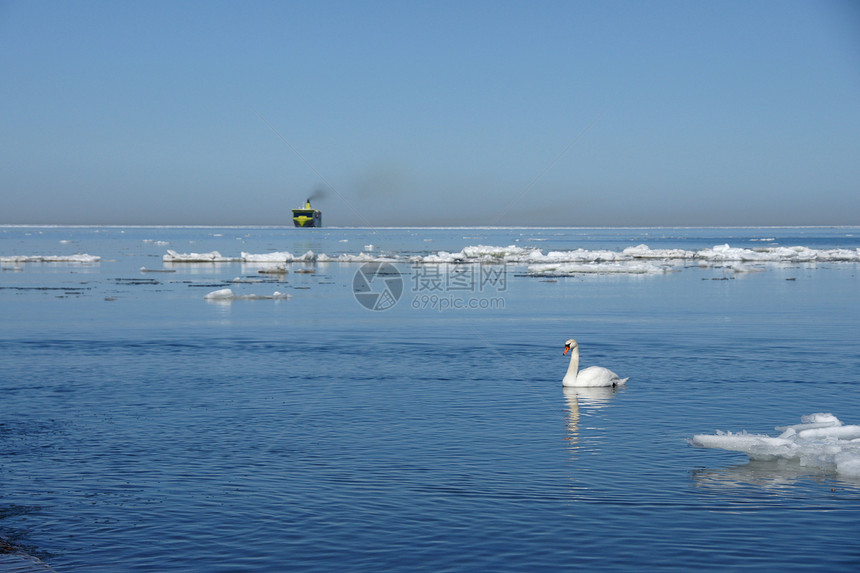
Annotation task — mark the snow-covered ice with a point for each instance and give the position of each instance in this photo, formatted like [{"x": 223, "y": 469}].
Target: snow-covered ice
[
  {"x": 637, "y": 259},
  {"x": 210, "y": 257},
  {"x": 79, "y": 258},
  {"x": 277, "y": 257},
  {"x": 227, "y": 295},
  {"x": 821, "y": 441}
]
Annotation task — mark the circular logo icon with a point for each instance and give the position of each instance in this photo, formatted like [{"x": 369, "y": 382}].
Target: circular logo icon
[{"x": 377, "y": 286}]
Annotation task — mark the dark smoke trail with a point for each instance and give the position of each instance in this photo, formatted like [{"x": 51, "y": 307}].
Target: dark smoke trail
[{"x": 318, "y": 194}]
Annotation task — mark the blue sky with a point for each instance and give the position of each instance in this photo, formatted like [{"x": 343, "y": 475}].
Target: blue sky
[{"x": 430, "y": 113}]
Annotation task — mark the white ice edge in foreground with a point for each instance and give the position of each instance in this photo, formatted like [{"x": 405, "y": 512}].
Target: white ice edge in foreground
[{"x": 820, "y": 441}]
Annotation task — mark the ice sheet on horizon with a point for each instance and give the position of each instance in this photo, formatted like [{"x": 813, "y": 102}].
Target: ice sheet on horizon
[
  {"x": 821, "y": 441},
  {"x": 719, "y": 254},
  {"x": 78, "y": 258}
]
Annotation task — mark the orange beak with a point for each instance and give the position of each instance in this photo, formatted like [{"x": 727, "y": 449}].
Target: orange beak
[{"x": 566, "y": 348}]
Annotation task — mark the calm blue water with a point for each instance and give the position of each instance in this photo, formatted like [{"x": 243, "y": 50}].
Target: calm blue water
[{"x": 143, "y": 428}]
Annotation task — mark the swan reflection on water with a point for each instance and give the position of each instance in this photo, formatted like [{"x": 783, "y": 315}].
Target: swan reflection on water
[{"x": 595, "y": 397}]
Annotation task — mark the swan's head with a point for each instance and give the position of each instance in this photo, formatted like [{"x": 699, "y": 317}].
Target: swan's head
[{"x": 570, "y": 345}]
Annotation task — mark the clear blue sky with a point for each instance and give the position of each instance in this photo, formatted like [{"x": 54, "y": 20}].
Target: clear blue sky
[{"x": 430, "y": 113}]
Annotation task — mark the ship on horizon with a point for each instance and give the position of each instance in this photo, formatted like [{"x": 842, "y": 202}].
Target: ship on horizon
[{"x": 307, "y": 216}]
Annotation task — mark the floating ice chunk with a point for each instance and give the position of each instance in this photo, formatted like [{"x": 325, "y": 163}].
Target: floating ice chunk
[
  {"x": 646, "y": 252},
  {"x": 78, "y": 258},
  {"x": 211, "y": 257},
  {"x": 81, "y": 258},
  {"x": 308, "y": 257},
  {"x": 364, "y": 258},
  {"x": 851, "y": 432},
  {"x": 359, "y": 258},
  {"x": 439, "y": 257},
  {"x": 727, "y": 253},
  {"x": 848, "y": 463},
  {"x": 479, "y": 251},
  {"x": 840, "y": 255},
  {"x": 222, "y": 294},
  {"x": 820, "y": 441},
  {"x": 820, "y": 419},
  {"x": 791, "y": 254},
  {"x": 273, "y": 270},
  {"x": 797, "y": 254},
  {"x": 511, "y": 253},
  {"x": 811, "y": 421},
  {"x": 576, "y": 256},
  {"x": 482, "y": 254},
  {"x": 227, "y": 295},
  {"x": 758, "y": 446},
  {"x": 279, "y": 257}
]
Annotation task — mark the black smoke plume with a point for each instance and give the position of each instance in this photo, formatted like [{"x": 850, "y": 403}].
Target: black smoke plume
[{"x": 318, "y": 194}]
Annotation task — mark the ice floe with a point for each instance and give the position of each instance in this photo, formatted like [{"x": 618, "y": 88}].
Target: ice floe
[
  {"x": 821, "y": 441},
  {"x": 79, "y": 258},
  {"x": 771, "y": 254},
  {"x": 720, "y": 253},
  {"x": 227, "y": 295},
  {"x": 273, "y": 270},
  {"x": 646, "y": 252},
  {"x": 278, "y": 257},
  {"x": 210, "y": 257},
  {"x": 639, "y": 259}
]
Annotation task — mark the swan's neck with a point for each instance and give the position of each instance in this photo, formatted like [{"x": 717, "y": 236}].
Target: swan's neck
[{"x": 574, "y": 365}]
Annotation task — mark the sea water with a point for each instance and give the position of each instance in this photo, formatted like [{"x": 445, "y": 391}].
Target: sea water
[{"x": 146, "y": 427}]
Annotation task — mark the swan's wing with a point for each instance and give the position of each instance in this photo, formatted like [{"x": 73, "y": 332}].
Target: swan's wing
[{"x": 598, "y": 376}]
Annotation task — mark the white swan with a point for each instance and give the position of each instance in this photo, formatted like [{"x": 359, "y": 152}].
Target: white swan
[{"x": 591, "y": 376}]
